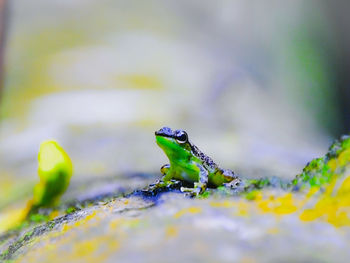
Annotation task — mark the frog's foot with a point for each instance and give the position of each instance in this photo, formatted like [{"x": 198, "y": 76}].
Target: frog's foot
[
  {"x": 155, "y": 185},
  {"x": 198, "y": 189},
  {"x": 233, "y": 184},
  {"x": 162, "y": 184}
]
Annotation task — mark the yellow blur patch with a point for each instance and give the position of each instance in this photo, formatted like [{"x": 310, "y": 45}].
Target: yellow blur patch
[
  {"x": 11, "y": 218},
  {"x": 247, "y": 260},
  {"x": 81, "y": 222},
  {"x": 141, "y": 81},
  {"x": 54, "y": 214},
  {"x": 171, "y": 231},
  {"x": 6, "y": 184},
  {"x": 273, "y": 231},
  {"x": 243, "y": 209},
  {"x": 223, "y": 204},
  {"x": 280, "y": 205},
  {"x": 344, "y": 157},
  {"x": 121, "y": 222},
  {"x": 332, "y": 164},
  {"x": 96, "y": 249},
  {"x": 189, "y": 210}
]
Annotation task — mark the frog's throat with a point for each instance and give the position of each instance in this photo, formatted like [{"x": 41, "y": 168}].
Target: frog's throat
[{"x": 171, "y": 148}]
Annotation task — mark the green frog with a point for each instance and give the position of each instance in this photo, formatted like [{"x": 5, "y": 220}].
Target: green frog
[{"x": 189, "y": 164}]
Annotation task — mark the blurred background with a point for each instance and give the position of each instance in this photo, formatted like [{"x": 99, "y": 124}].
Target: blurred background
[{"x": 259, "y": 86}]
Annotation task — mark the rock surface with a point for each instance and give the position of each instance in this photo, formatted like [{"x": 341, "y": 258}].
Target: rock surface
[{"x": 123, "y": 221}]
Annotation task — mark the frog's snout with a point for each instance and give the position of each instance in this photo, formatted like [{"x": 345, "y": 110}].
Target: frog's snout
[{"x": 165, "y": 131}]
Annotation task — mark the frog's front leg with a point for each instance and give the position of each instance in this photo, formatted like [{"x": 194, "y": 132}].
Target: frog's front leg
[
  {"x": 165, "y": 181},
  {"x": 167, "y": 176},
  {"x": 201, "y": 185},
  {"x": 165, "y": 170}
]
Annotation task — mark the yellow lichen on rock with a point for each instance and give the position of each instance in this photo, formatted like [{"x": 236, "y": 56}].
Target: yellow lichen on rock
[
  {"x": 282, "y": 205},
  {"x": 333, "y": 206},
  {"x": 188, "y": 210}
]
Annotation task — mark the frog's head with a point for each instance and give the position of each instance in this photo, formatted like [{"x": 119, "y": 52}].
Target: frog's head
[{"x": 174, "y": 143}]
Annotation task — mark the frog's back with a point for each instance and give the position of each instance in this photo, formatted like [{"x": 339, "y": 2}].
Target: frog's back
[
  {"x": 207, "y": 162},
  {"x": 216, "y": 175}
]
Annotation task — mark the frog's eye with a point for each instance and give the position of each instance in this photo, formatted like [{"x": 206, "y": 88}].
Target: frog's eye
[{"x": 181, "y": 136}]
